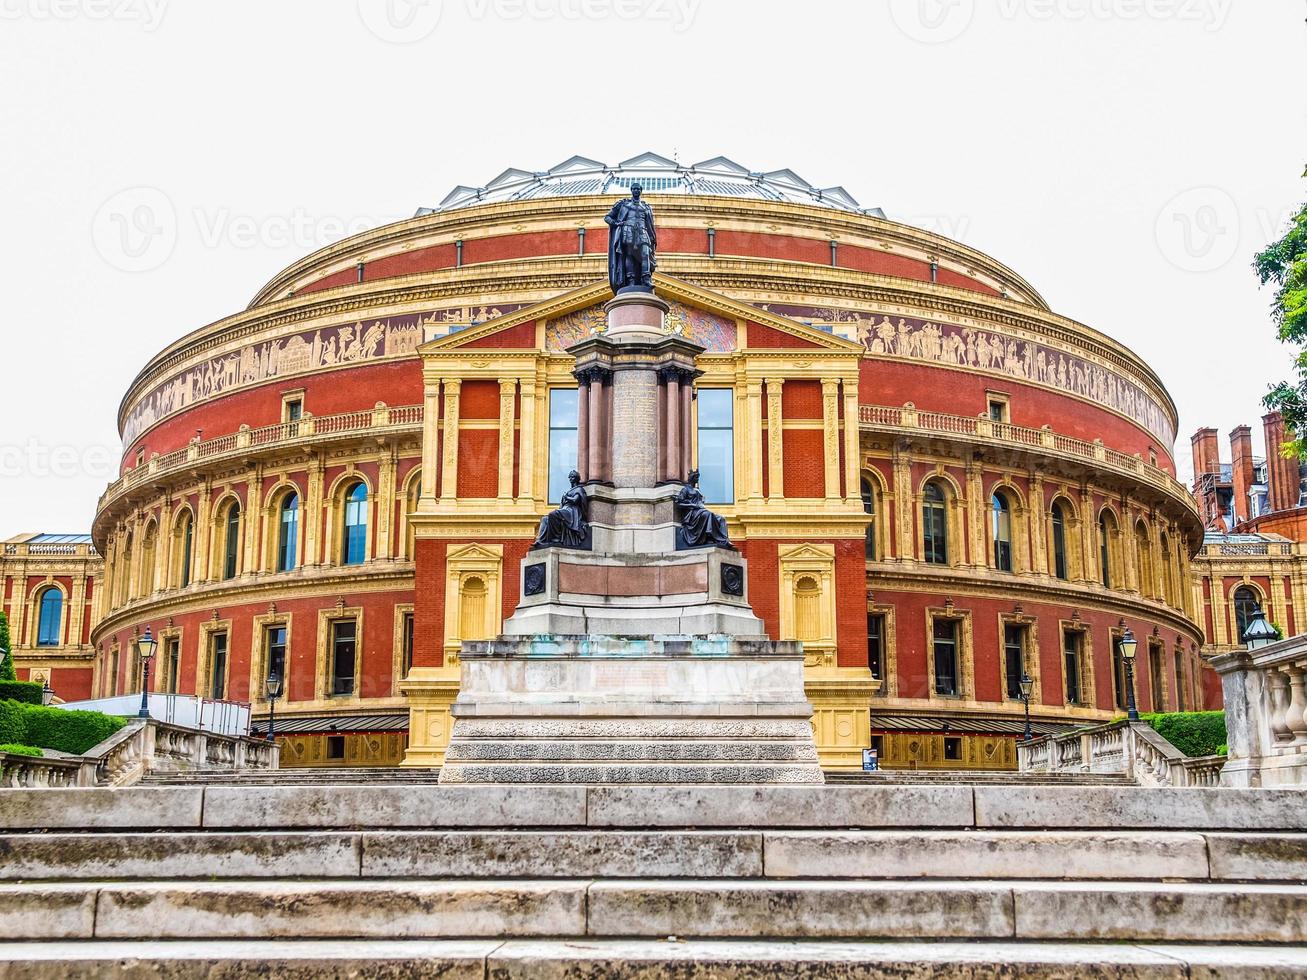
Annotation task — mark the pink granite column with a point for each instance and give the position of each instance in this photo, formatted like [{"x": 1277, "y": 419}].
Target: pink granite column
[
  {"x": 672, "y": 424},
  {"x": 583, "y": 429},
  {"x": 687, "y": 435},
  {"x": 595, "y": 449}
]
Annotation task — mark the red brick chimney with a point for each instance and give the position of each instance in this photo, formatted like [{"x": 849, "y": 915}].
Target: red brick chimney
[
  {"x": 1206, "y": 452},
  {"x": 1281, "y": 473},
  {"x": 1241, "y": 472}
]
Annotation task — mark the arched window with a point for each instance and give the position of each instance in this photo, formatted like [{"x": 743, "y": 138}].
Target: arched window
[
  {"x": 49, "y": 627},
  {"x": 186, "y": 540},
  {"x": 472, "y": 613},
  {"x": 231, "y": 540},
  {"x": 1106, "y": 531},
  {"x": 1002, "y": 526},
  {"x": 1144, "y": 557},
  {"x": 934, "y": 525},
  {"x": 807, "y": 609},
  {"x": 288, "y": 532},
  {"x": 353, "y": 544},
  {"x": 1059, "y": 540},
  {"x": 1246, "y": 602},
  {"x": 869, "y": 508}
]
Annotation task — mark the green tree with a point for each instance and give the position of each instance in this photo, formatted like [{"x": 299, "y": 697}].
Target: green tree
[
  {"x": 1285, "y": 264},
  {"x": 7, "y": 664}
]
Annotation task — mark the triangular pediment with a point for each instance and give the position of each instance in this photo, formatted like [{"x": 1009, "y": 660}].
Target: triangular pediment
[
  {"x": 576, "y": 163},
  {"x": 649, "y": 159},
  {"x": 716, "y": 322},
  {"x": 721, "y": 165}
]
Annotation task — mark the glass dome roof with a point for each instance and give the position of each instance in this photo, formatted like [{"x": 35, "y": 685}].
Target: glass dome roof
[{"x": 719, "y": 177}]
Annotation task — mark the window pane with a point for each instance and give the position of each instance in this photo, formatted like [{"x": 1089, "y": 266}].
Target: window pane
[
  {"x": 188, "y": 536},
  {"x": 287, "y": 545},
  {"x": 356, "y": 525},
  {"x": 1059, "y": 543},
  {"x": 1013, "y": 641},
  {"x": 946, "y": 663},
  {"x": 51, "y": 618},
  {"x": 342, "y": 660},
  {"x": 563, "y": 408},
  {"x": 717, "y": 445},
  {"x": 218, "y": 672},
  {"x": 875, "y": 645},
  {"x": 1071, "y": 654},
  {"x": 233, "y": 541},
  {"x": 276, "y": 640}
]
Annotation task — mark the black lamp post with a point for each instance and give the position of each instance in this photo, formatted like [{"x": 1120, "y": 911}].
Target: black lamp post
[
  {"x": 145, "y": 646},
  {"x": 272, "y": 688},
  {"x": 1027, "y": 685},
  {"x": 1128, "y": 646},
  {"x": 47, "y": 692}
]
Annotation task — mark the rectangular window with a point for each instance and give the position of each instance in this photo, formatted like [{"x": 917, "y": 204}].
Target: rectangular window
[
  {"x": 336, "y": 747},
  {"x": 876, "y": 644},
  {"x": 997, "y": 412},
  {"x": 407, "y": 628},
  {"x": 946, "y": 656},
  {"x": 1179, "y": 681},
  {"x": 1014, "y": 643},
  {"x": 172, "y": 657},
  {"x": 717, "y": 444},
  {"x": 218, "y": 666},
  {"x": 274, "y": 642},
  {"x": 934, "y": 534},
  {"x": 952, "y": 749},
  {"x": 563, "y": 404},
  {"x": 294, "y": 409},
  {"x": 344, "y": 635},
  {"x": 1072, "y": 645},
  {"x": 1155, "y": 676},
  {"x": 996, "y": 407}
]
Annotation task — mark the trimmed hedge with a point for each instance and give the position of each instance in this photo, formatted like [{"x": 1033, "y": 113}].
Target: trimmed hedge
[
  {"x": 25, "y": 691},
  {"x": 1192, "y": 732},
  {"x": 55, "y": 728},
  {"x": 31, "y": 750}
]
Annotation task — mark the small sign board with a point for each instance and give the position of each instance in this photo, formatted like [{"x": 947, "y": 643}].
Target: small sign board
[{"x": 870, "y": 760}]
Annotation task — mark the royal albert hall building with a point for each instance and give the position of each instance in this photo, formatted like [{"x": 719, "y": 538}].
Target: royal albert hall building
[{"x": 939, "y": 484}]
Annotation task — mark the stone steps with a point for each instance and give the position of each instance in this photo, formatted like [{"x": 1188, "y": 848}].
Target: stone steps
[
  {"x": 472, "y": 959},
  {"x": 387, "y": 775},
  {"x": 975, "y": 777},
  {"x": 872, "y": 879}
]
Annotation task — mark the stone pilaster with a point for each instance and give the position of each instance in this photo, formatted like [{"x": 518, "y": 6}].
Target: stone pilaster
[
  {"x": 775, "y": 440},
  {"x": 449, "y": 456},
  {"x": 527, "y": 440},
  {"x": 507, "y": 426},
  {"x": 430, "y": 439},
  {"x": 753, "y": 440},
  {"x": 830, "y": 412}
]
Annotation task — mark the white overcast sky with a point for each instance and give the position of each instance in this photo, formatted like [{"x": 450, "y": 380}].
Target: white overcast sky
[{"x": 1127, "y": 157}]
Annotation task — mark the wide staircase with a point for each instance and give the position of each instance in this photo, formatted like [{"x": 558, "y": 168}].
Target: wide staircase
[{"x": 895, "y": 879}]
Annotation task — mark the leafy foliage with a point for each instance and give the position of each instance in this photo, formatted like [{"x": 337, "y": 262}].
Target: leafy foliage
[
  {"x": 6, "y": 664},
  {"x": 25, "y": 691},
  {"x": 31, "y": 750},
  {"x": 55, "y": 728},
  {"x": 1284, "y": 263},
  {"x": 1192, "y": 732}
]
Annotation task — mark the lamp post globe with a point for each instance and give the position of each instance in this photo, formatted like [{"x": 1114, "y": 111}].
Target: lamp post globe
[
  {"x": 1259, "y": 633},
  {"x": 47, "y": 692},
  {"x": 145, "y": 647},
  {"x": 272, "y": 689},
  {"x": 1128, "y": 647},
  {"x": 1027, "y": 685}
]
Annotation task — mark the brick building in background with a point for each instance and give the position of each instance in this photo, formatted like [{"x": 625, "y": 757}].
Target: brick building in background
[
  {"x": 938, "y": 482},
  {"x": 1254, "y": 512}
]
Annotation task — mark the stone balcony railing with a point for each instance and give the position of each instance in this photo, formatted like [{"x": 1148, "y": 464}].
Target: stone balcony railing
[
  {"x": 1133, "y": 749},
  {"x": 1049, "y": 443},
  {"x": 141, "y": 747},
  {"x": 1265, "y": 713},
  {"x": 39, "y": 549},
  {"x": 306, "y": 431}
]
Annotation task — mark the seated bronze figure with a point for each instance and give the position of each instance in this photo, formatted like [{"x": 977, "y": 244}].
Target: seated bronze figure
[
  {"x": 699, "y": 527},
  {"x": 569, "y": 525}
]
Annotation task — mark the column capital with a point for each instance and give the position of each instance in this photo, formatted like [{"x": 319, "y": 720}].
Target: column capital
[{"x": 507, "y": 386}]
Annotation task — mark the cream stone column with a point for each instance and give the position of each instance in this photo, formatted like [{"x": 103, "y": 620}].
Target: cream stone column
[
  {"x": 254, "y": 518},
  {"x": 430, "y": 438},
  {"x": 77, "y": 614},
  {"x": 1279, "y": 607},
  {"x": 1089, "y": 558},
  {"x": 507, "y": 423},
  {"x": 977, "y": 510},
  {"x": 527, "y": 444},
  {"x": 852, "y": 440},
  {"x": 1129, "y": 553},
  {"x": 134, "y": 571},
  {"x": 753, "y": 439},
  {"x": 386, "y": 502},
  {"x": 312, "y": 512},
  {"x": 164, "y": 545},
  {"x": 449, "y": 456},
  {"x": 775, "y": 439},
  {"x": 202, "y": 531},
  {"x": 904, "y": 501},
  {"x": 830, "y": 411},
  {"x": 1036, "y": 522}
]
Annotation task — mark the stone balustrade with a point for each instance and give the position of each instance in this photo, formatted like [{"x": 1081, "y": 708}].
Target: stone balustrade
[
  {"x": 1134, "y": 750},
  {"x": 142, "y": 746},
  {"x": 1265, "y": 714}
]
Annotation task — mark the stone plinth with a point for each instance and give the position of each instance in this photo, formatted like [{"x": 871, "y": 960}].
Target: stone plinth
[
  {"x": 631, "y": 709},
  {"x": 640, "y": 317}
]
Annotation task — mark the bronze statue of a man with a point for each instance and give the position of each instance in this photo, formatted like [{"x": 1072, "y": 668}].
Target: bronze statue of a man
[{"x": 632, "y": 245}]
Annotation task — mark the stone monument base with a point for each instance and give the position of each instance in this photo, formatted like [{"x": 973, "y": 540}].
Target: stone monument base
[{"x": 631, "y": 710}]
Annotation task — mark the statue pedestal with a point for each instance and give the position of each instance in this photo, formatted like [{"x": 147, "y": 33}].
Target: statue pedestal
[{"x": 633, "y": 662}]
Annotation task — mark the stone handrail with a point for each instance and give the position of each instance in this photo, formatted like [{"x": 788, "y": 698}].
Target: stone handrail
[
  {"x": 1265, "y": 695},
  {"x": 140, "y": 747},
  {"x": 310, "y": 428},
  {"x": 1133, "y": 749},
  {"x": 1045, "y": 439}
]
